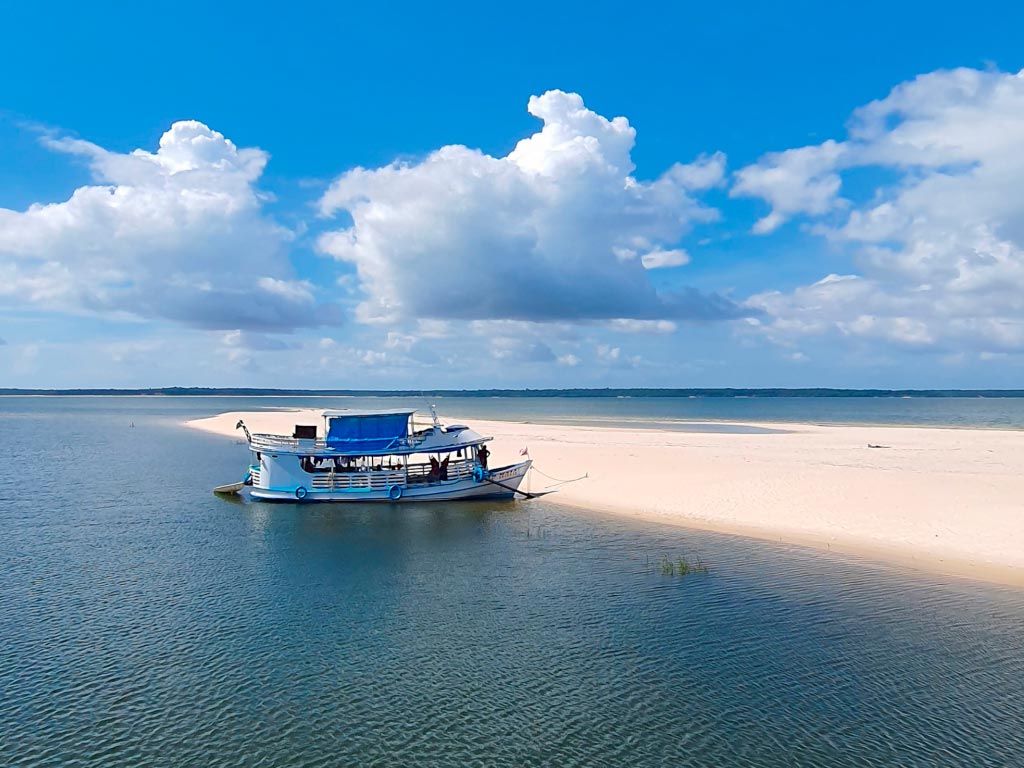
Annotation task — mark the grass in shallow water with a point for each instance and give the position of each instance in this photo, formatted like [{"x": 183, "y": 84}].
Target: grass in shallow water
[{"x": 681, "y": 566}]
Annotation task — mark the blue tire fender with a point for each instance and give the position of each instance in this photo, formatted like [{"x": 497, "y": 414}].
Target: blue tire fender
[
  {"x": 301, "y": 493},
  {"x": 395, "y": 492},
  {"x": 478, "y": 474}
]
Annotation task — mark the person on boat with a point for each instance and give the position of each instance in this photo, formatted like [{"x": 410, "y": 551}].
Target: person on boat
[
  {"x": 482, "y": 454},
  {"x": 435, "y": 470},
  {"x": 443, "y": 470}
]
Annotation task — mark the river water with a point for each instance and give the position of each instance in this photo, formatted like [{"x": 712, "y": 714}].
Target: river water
[{"x": 144, "y": 621}]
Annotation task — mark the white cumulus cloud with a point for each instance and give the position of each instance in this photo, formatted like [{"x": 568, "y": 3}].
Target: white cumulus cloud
[
  {"x": 558, "y": 229},
  {"x": 938, "y": 243},
  {"x": 796, "y": 181},
  {"x": 659, "y": 259},
  {"x": 626, "y": 325},
  {"x": 179, "y": 234}
]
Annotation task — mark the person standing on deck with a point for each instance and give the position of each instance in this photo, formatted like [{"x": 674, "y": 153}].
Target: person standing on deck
[{"x": 481, "y": 454}]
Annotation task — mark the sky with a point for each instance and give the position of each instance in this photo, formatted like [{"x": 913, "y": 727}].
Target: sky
[{"x": 398, "y": 195}]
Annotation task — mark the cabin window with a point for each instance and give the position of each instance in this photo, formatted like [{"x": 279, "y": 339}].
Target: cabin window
[{"x": 315, "y": 464}]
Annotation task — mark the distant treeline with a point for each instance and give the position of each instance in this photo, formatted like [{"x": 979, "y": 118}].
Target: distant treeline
[{"x": 243, "y": 392}]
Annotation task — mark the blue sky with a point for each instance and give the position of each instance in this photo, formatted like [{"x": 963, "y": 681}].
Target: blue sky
[{"x": 796, "y": 194}]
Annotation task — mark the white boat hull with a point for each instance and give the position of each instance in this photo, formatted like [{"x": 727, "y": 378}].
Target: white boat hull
[{"x": 500, "y": 483}]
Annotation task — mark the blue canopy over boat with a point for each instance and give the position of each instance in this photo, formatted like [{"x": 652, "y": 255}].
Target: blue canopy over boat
[{"x": 367, "y": 432}]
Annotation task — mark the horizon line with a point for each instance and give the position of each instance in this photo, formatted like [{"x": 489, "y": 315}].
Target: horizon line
[{"x": 639, "y": 392}]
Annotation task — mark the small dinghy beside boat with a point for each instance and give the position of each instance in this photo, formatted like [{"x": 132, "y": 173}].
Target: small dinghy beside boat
[{"x": 230, "y": 488}]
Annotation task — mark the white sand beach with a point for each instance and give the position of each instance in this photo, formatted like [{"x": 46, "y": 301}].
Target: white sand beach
[{"x": 944, "y": 500}]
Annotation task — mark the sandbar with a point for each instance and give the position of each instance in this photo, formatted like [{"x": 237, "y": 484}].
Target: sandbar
[{"x": 948, "y": 501}]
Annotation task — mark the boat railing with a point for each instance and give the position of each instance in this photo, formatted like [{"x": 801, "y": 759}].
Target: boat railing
[
  {"x": 264, "y": 442},
  {"x": 342, "y": 481},
  {"x": 283, "y": 443},
  {"x": 457, "y": 470}
]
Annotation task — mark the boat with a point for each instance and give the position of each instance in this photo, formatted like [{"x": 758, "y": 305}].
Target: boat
[{"x": 378, "y": 456}]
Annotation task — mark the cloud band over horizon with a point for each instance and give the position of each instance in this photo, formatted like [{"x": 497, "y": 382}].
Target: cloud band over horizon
[{"x": 557, "y": 253}]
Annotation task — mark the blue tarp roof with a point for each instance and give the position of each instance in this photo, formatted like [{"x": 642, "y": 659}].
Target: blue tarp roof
[{"x": 367, "y": 432}]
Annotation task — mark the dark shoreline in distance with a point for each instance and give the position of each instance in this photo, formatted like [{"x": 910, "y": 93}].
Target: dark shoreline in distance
[{"x": 567, "y": 393}]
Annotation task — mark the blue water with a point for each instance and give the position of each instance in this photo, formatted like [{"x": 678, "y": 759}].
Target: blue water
[
  {"x": 681, "y": 413},
  {"x": 647, "y": 412},
  {"x": 144, "y": 621}
]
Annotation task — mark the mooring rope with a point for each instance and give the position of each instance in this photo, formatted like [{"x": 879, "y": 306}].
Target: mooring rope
[{"x": 557, "y": 481}]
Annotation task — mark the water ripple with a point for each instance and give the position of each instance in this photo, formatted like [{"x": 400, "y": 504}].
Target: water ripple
[{"x": 162, "y": 627}]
